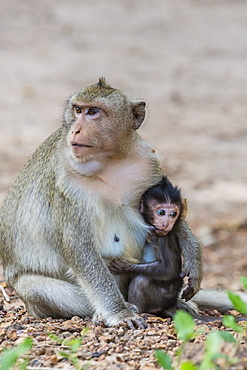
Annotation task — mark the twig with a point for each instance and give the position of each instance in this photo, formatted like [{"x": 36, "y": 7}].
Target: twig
[{"x": 6, "y": 297}]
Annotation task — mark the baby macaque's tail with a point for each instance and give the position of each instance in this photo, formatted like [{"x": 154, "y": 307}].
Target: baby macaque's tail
[{"x": 215, "y": 300}]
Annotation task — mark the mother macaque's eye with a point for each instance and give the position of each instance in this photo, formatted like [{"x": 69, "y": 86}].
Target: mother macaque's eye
[
  {"x": 78, "y": 111},
  {"x": 92, "y": 110},
  {"x": 173, "y": 214},
  {"x": 161, "y": 212}
]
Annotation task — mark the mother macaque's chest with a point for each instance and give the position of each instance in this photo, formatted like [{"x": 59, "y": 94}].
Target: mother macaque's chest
[
  {"x": 124, "y": 182},
  {"x": 119, "y": 228},
  {"x": 120, "y": 233}
]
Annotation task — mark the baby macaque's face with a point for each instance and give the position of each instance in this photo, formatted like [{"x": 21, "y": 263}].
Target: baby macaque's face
[{"x": 164, "y": 217}]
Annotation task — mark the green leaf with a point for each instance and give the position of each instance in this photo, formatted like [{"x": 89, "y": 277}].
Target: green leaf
[
  {"x": 56, "y": 338},
  {"x": 213, "y": 344},
  {"x": 221, "y": 355},
  {"x": 243, "y": 281},
  {"x": 238, "y": 303},
  {"x": 64, "y": 354},
  {"x": 74, "y": 360},
  {"x": 184, "y": 325},
  {"x": 23, "y": 365},
  {"x": 188, "y": 366},
  {"x": 11, "y": 356},
  {"x": 206, "y": 364},
  {"x": 163, "y": 359},
  {"x": 226, "y": 336},
  {"x": 230, "y": 322},
  {"x": 73, "y": 344}
]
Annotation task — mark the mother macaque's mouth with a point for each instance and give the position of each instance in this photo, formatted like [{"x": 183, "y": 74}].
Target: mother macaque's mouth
[{"x": 81, "y": 145}]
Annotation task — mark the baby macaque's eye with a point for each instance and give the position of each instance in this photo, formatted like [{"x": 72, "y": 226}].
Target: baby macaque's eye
[
  {"x": 161, "y": 212},
  {"x": 173, "y": 214}
]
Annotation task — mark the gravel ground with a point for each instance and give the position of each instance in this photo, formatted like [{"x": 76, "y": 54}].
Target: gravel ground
[{"x": 105, "y": 348}]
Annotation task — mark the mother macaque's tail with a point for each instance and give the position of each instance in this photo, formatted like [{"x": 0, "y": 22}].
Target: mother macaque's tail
[{"x": 215, "y": 300}]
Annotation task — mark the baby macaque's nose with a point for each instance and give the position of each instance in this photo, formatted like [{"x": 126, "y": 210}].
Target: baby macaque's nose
[{"x": 165, "y": 224}]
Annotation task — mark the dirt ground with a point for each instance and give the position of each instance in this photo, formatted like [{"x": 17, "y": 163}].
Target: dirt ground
[{"x": 186, "y": 58}]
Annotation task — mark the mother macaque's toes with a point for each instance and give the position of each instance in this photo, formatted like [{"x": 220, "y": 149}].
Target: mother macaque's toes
[
  {"x": 98, "y": 319},
  {"x": 136, "y": 323},
  {"x": 127, "y": 318},
  {"x": 190, "y": 307},
  {"x": 132, "y": 307}
]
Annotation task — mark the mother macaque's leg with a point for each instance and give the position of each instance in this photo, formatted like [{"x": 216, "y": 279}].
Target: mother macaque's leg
[{"x": 45, "y": 296}]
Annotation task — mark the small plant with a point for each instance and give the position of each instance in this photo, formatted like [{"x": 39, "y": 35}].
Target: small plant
[
  {"x": 12, "y": 357},
  {"x": 213, "y": 346},
  {"x": 185, "y": 328},
  {"x": 72, "y": 345},
  {"x": 241, "y": 306}
]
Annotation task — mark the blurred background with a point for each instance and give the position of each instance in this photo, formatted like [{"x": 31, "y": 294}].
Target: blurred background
[{"x": 186, "y": 58}]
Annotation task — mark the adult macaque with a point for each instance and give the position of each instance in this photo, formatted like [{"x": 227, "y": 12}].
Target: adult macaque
[
  {"x": 74, "y": 207},
  {"x": 154, "y": 286}
]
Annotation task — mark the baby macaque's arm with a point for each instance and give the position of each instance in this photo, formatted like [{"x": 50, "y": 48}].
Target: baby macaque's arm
[
  {"x": 120, "y": 266},
  {"x": 156, "y": 268}
]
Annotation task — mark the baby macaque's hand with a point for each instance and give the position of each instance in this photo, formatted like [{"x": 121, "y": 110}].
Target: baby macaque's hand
[
  {"x": 118, "y": 266},
  {"x": 194, "y": 283},
  {"x": 190, "y": 291}
]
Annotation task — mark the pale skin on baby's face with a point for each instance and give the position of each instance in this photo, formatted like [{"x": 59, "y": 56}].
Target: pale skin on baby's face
[{"x": 164, "y": 217}]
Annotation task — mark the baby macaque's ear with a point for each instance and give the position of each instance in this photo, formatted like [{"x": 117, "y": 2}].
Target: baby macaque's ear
[
  {"x": 141, "y": 210},
  {"x": 184, "y": 209}
]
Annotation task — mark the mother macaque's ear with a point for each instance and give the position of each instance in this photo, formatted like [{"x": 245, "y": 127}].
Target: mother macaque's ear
[
  {"x": 139, "y": 112},
  {"x": 184, "y": 209}
]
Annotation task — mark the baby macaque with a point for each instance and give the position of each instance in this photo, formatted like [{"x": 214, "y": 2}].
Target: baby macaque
[{"x": 157, "y": 281}]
